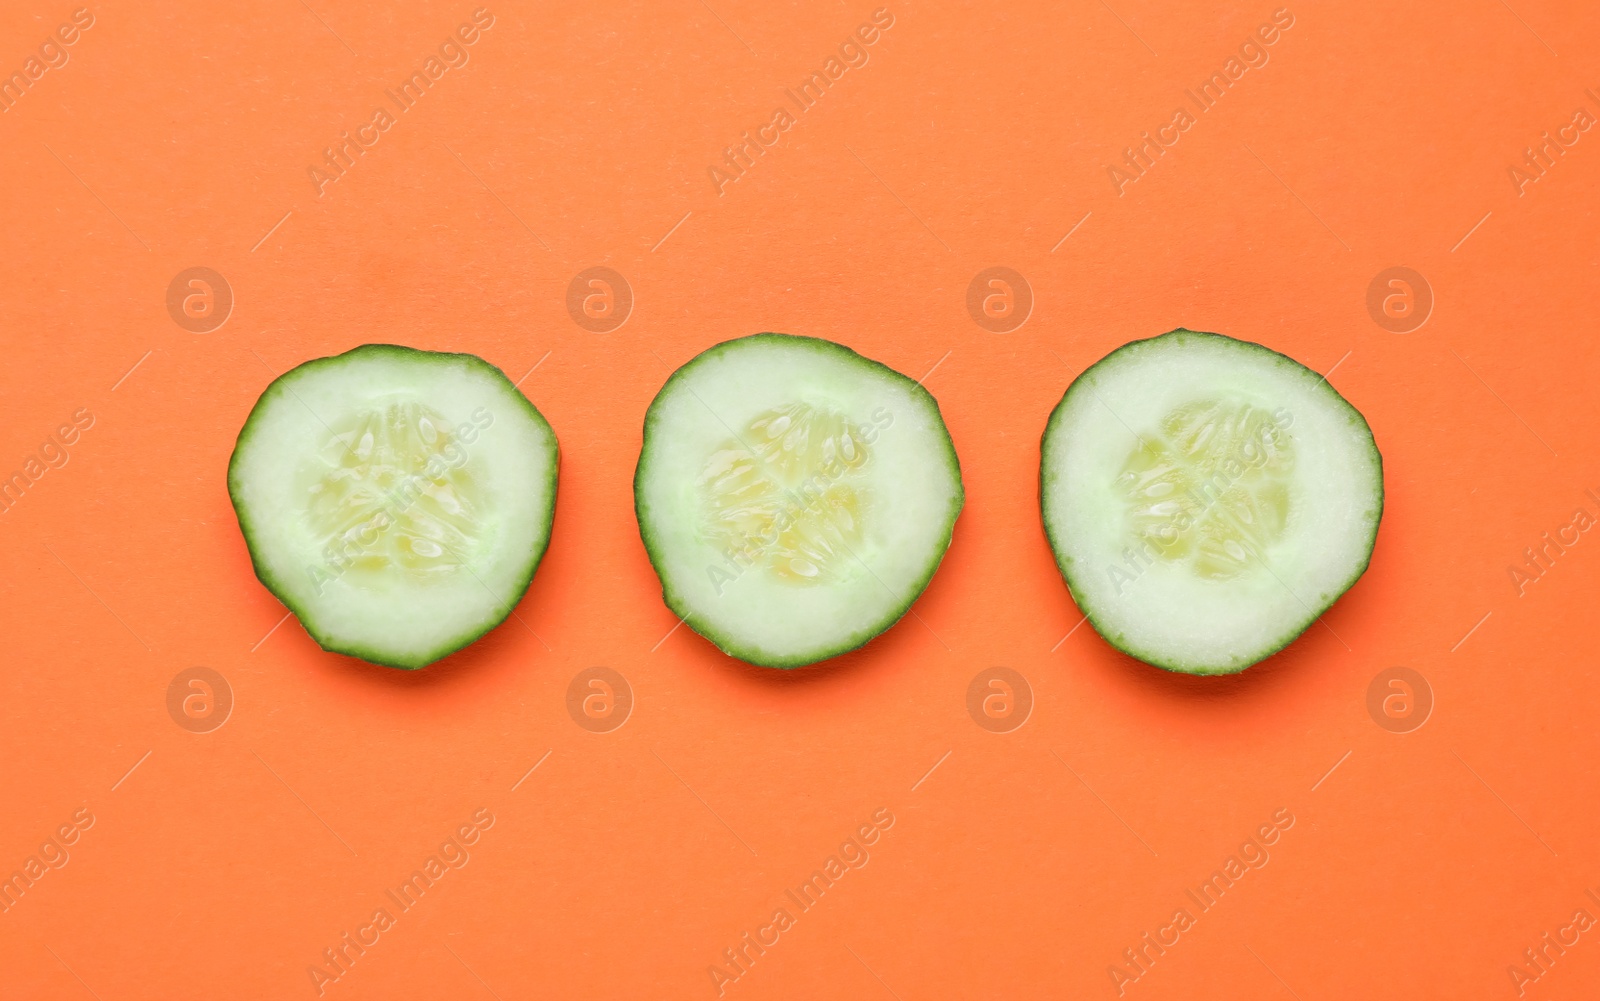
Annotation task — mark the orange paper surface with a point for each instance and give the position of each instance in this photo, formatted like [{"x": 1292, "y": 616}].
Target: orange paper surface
[{"x": 211, "y": 806}]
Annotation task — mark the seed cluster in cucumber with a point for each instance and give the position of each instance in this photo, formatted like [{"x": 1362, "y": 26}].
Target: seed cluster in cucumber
[
  {"x": 794, "y": 497},
  {"x": 1207, "y": 499},
  {"x": 397, "y": 501}
]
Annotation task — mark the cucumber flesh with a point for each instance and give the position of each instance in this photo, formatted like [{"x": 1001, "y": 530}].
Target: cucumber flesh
[
  {"x": 397, "y": 501},
  {"x": 1207, "y": 499},
  {"x": 794, "y": 497}
]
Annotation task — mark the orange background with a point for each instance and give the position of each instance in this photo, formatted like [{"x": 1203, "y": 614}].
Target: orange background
[{"x": 222, "y": 864}]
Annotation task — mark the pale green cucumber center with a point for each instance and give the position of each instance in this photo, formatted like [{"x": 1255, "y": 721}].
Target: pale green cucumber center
[
  {"x": 391, "y": 491},
  {"x": 786, "y": 493},
  {"x": 1208, "y": 488}
]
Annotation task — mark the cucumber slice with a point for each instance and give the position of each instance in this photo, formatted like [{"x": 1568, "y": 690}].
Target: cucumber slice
[
  {"x": 794, "y": 497},
  {"x": 397, "y": 501},
  {"x": 1207, "y": 499}
]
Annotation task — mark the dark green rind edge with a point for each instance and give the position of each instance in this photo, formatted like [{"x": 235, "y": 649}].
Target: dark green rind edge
[
  {"x": 1123, "y": 643},
  {"x": 680, "y": 607},
  {"x": 421, "y": 660}
]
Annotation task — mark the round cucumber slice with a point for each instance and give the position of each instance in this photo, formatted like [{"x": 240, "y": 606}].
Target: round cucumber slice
[
  {"x": 1207, "y": 499},
  {"x": 397, "y": 501},
  {"x": 794, "y": 497}
]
